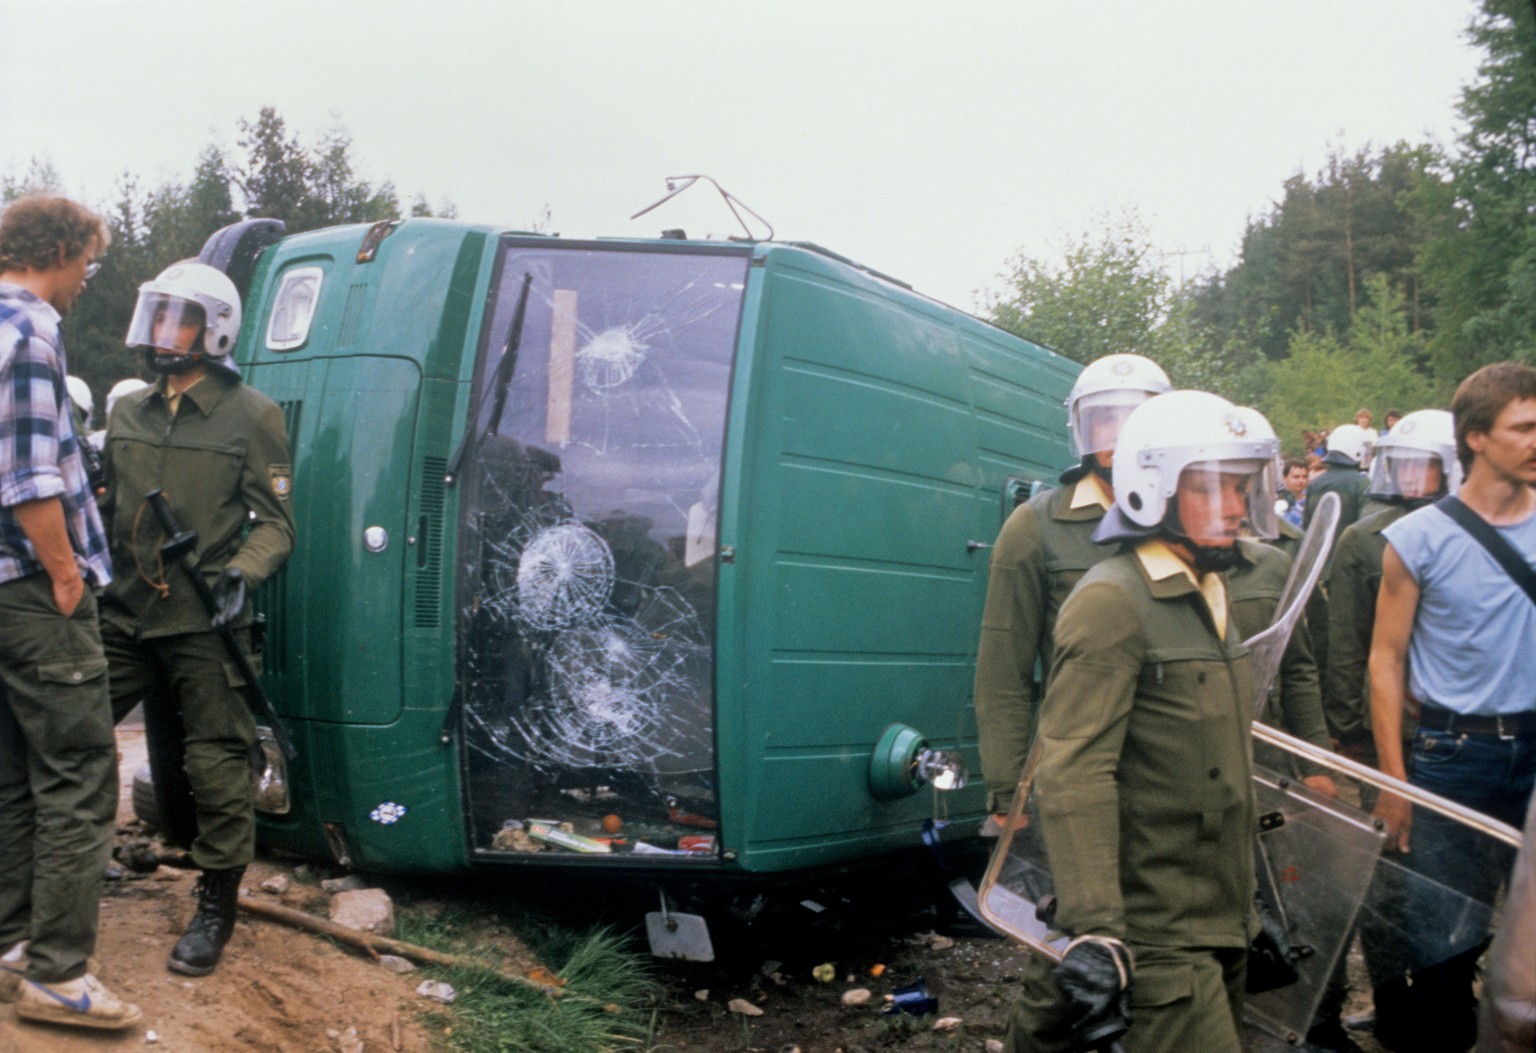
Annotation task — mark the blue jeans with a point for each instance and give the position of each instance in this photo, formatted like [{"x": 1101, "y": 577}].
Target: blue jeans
[{"x": 1493, "y": 776}]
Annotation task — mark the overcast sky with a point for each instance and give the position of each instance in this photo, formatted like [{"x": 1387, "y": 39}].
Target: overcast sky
[{"x": 929, "y": 140}]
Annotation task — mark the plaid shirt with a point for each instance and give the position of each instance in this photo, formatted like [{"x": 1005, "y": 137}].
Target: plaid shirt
[{"x": 39, "y": 451}]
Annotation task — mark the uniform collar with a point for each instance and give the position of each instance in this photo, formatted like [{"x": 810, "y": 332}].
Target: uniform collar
[
  {"x": 1248, "y": 549},
  {"x": 1090, "y": 491},
  {"x": 204, "y": 393},
  {"x": 1169, "y": 576}
]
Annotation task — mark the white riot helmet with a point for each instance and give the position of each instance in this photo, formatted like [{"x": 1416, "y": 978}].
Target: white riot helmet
[
  {"x": 121, "y": 388},
  {"x": 1352, "y": 441},
  {"x": 1226, "y": 451},
  {"x": 1105, "y": 393},
  {"x": 80, "y": 395},
  {"x": 1404, "y": 467},
  {"x": 187, "y": 296}
]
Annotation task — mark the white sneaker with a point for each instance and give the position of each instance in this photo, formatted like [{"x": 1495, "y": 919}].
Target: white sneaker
[
  {"x": 13, "y": 966},
  {"x": 83, "y": 1002}
]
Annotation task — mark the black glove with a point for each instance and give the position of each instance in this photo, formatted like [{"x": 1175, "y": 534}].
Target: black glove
[
  {"x": 1271, "y": 958},
  {"x": 228, "y": 596},
  {"x": 95, "y": 469},
  {"x": 1095, "y": 975}
]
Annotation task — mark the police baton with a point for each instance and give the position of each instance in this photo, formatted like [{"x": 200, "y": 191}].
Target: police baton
[{"x": 177, "y": 549}]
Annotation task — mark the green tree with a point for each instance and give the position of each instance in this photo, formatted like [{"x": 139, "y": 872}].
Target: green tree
[
  {"x": 1483, "y": 261},
  {"x": 152, "y": 228},
  {"x": 282, "y": 179},
  {"x": 278, "y": 172},
  {"x": 1303, "y": 264},
  {"x": 40, "y": 178},
  {"x": 1325, "y": 378},
  {"x": 1109, "y": 292}
]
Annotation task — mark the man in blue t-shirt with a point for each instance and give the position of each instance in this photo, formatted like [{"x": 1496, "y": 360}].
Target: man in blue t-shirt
[{"x": 1455, "y": 634}]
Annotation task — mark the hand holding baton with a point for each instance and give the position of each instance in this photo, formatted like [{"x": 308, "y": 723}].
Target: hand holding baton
[{"x": 178, "y": 547}]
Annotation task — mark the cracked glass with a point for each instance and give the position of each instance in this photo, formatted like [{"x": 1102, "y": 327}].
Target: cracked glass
[{"x": 590, "y": 478}]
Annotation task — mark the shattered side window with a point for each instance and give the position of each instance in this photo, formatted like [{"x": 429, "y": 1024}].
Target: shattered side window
[{"x": 587, "y": 551}]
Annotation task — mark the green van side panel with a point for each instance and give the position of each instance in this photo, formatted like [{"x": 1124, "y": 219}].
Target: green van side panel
[{"x": 870, "y": 434}]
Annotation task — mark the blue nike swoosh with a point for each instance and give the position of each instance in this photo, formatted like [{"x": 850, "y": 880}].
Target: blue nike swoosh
[{"x": 79, "y": 1005}]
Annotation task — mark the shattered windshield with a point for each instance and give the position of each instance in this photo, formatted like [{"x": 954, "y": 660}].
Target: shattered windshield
[{"x": 591, "y": 478}]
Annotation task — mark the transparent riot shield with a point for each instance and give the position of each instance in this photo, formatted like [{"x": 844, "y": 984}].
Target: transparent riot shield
[
  {"x": 1267, "y": 648},
  {"x": 1314, "y": 859},
  {"x": 1321, "y": 868},
  {"x": 1428, "y": 913}
]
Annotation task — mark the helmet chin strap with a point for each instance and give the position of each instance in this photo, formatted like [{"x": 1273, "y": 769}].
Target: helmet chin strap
[
  {"x": 1104, "y": 472},
  {"x": 1213, "y": 559},
  {"x": 170, "y": 365}
]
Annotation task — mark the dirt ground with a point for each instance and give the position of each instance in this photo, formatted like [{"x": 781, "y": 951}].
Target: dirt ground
[{"x": 279, "y": 990}]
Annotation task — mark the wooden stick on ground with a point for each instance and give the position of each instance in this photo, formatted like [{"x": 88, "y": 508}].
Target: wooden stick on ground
[{"x": 373, "y": 943}]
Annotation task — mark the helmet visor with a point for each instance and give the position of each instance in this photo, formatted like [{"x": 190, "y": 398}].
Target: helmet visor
[
  {"x": 1217, "y": 502},
  {"x": 169, "y": 323},
  {"x": 1409, "y": 474},
  {"x": 1098, "y": 417}
]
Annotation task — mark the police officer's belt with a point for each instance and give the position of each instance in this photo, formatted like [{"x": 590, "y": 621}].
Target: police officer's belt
[{"x": 1505, "y": 725}]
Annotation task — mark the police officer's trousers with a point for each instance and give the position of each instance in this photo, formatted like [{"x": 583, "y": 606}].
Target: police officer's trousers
[{"x": 192, "y": 674}]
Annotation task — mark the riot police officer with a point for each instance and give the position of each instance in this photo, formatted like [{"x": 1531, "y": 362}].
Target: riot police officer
[
  {"x": 219, "y": 451},
  {"x": 1043, "y": 549},
  {"x": 1144, "y": 778}
]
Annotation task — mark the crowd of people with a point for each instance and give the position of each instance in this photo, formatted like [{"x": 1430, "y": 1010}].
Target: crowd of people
[
  {"x": 119, "y": 590},
  {"x": 1112, "y": 653}
]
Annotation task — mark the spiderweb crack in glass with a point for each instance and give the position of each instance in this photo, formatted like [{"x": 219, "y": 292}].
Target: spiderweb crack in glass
[
  {"x": 615, "y": 689},
  {"x": 564, "y": 577},
  {"x": 611, "y": 357},
  {"x": 621, "y": 691}
]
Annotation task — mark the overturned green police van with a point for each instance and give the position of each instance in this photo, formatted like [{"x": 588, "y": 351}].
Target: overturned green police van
[{"x": 631, "y": 553}]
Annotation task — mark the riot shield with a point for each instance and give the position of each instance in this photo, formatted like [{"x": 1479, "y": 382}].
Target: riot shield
[
  {"x": 1267, "y": 648},
  {"x": 1314, "y": 858},
  {"x": 1321, "y": 867},
  {"x": 1433, "y": 908}
]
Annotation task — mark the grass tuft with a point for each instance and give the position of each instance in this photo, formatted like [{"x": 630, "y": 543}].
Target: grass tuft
[{"x": 604, "y": 1007}]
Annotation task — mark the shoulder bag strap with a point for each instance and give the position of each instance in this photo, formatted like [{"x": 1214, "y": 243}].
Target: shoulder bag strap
[{"x": 1502, "y": 551}]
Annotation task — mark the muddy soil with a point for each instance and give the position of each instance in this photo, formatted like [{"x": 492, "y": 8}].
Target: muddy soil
[
  {"x": 972, "y": 978},
  {"x": 277, "y": 990},
  {"x": 280, "y": 990}
]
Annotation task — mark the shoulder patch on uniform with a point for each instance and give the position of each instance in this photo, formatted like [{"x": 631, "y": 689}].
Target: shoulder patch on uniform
[{"x": 282, "y": 479}]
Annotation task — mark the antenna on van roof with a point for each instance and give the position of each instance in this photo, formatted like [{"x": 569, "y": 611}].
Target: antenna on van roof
[{"x": 677, "y": 184}]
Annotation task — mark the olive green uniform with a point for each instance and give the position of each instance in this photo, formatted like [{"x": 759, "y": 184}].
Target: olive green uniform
[
  {"x": 1353, "y": 582},
  {"x": 223, "y": 461},
  {"x": 1146, "y": 800},
  {"x": 1043, "y": 549}
]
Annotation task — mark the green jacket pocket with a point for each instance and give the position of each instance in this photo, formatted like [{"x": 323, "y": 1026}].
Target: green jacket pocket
[
  {"x": 72, "y": 671},
  {"x": 1162, "y": 984}
]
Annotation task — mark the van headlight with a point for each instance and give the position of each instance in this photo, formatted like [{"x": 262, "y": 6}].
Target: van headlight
[{"x": 272, "y": 781}]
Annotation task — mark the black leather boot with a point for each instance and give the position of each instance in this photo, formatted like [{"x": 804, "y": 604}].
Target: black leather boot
[{"x": 198, "y": 950}]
